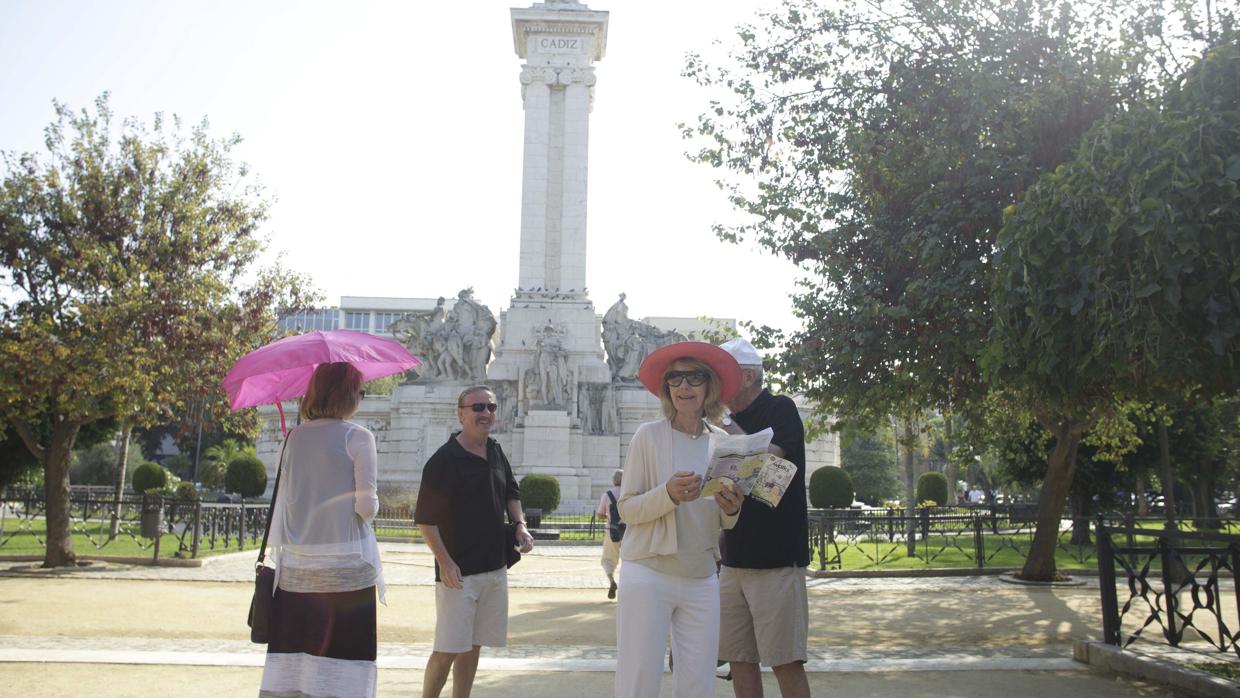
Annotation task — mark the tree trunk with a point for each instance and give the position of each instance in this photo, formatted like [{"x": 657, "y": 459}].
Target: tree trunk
[
  {"x": 1080, "y": 519},
  {"x": 1168, "y": 478},
  {"x": 1207, "y": 510},
  {"x": 910, "y": 486},
  {"x": 59, "y": 552},
  {"x": 1040, "y": 564},
  {"x": 949, "y": 468},
  {"x": 118, "y": 491},
  {"x": 1143, "y": 507}
]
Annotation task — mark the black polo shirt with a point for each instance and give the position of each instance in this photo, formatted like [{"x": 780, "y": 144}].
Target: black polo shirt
[
  {"x": 466, "y": 497},
  {"x": 766, "y": 538}
]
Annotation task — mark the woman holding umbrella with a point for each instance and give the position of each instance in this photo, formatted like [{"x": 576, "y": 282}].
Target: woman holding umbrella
[
  {"x": 669, "y": 580},
  {"x": 322, "y": 634}
]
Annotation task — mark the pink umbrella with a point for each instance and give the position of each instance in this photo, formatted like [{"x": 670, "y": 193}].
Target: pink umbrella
[{"x": 281, "y": 370}]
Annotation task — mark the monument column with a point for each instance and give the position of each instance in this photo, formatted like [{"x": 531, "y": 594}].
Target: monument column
[
  {"x": 559, "y": 40},
  {"x": 550, "y": 352}
]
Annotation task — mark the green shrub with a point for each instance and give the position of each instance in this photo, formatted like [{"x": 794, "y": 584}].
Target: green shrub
[
  {"x": 186, "y": 490},
  {"x": 932, "y": 487},
  {"x": 149, "y": 476},
  {"x": 180, "y": 464},
  {"x": 830, "y": 488},
  {"x": 246, "y": 475},
  {"x": 540, "y": 492},
  {"x": 400, "y": 500}
]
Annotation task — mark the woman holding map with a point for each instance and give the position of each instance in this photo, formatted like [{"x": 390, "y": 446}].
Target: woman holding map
[{"x": 669, "y": 580}]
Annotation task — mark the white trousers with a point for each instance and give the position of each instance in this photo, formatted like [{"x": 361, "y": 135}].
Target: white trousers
[
  {"x": 652, "y": 603},
  {"x": 611, "y": 555}
]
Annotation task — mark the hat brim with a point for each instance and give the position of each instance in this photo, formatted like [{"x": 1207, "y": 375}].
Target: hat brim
[{"x": 721, "y": 362}]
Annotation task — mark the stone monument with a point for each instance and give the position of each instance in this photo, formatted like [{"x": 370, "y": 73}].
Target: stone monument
[{"x": 566, "y": 381}]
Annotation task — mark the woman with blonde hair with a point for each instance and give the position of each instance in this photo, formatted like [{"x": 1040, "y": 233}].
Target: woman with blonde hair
[
  {"x": 323, "y": 632},
  {"x": 669, "y": 582}
]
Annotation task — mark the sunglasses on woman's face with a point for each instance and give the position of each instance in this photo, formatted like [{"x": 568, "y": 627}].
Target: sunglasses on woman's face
[
  {"x": 696, "y": 377},
  {"x": 482, "y": 406}
]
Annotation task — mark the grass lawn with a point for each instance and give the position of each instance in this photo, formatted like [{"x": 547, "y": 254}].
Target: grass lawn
[{"x": 18, "y": 537}]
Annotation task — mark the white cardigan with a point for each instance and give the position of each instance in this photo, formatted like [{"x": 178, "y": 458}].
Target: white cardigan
[{"x": 645, "y": 506}]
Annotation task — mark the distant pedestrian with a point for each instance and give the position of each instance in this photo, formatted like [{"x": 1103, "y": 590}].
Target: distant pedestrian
[
  {"x": 613, "y": 530},
  {"x": 669, "y": 582},
  {"x": 763, "y": 603},
  {"x": 323, "y": 635},
  {"x": 467, "y": 488}
]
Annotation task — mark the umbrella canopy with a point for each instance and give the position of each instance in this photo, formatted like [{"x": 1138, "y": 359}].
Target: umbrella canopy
[{"x": 281, "y": 370}]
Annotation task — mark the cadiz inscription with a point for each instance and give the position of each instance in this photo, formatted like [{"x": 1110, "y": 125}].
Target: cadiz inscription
[{"x": 553, "y": 44}]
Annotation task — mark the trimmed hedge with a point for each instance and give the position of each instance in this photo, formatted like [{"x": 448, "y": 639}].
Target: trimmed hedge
[
  {"x": 831, "y": 488},
  {"x": 246, "y": 475},
  {"x": 149, "y": 476},
  {"x": 540, "y": 492},
  {"x": 932, "y": 487},
  {"x": 186, "y": 490}
]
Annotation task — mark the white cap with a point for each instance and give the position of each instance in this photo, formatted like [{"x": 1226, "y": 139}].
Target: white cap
[{"x": 742, "y": 351}]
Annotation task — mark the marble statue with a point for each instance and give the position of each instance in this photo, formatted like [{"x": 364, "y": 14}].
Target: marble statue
[
  {"x": 454, "y": 346},
  {"x": 628, "y": 342},
  {"x": 551, "y": 363}
]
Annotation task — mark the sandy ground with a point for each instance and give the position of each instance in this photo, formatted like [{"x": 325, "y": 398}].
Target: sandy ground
[
  {"x": 162, "y": 609},
  {"x": 113, "y": 681}
]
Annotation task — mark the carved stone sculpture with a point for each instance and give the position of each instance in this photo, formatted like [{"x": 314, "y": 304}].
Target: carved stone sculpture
[
  {"x": 453, "y": 346},
  {"x": 551, "y": 365},
  {"x": 628, "y": 342}
]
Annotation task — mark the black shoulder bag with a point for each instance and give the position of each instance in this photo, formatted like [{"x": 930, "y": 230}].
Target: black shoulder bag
[{"x": 265, "y": 577}]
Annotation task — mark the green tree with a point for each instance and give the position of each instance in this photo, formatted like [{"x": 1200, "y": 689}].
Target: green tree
[
  {"x": 1115, "y": 276},
  {"x": 877, "y": 146},
  {"x": 130, "y": 259},
  {"x": 870, "y": 459}
]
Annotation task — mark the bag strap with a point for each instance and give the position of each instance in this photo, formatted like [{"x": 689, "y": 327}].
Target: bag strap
[
  {"x": 271, "y": 509},
  {"x": 612, "y": 497}
]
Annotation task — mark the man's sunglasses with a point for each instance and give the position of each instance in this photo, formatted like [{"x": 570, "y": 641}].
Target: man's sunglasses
[
  {"x": 696, "y": 377},
  {"x": 481, "y": 406}
]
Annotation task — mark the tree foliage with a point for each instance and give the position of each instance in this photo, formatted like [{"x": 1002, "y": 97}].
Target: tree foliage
[
  {"x": 878, "y": 145},
  {"x": 869, "y": 458},
  {"x": 130, "y": 257}
]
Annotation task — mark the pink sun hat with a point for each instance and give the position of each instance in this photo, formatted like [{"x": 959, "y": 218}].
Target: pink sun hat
[{"x": 720, "y": 361}]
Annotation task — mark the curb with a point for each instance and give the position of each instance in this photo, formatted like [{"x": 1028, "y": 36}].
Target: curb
[
  {"x": 1194, "y": 682},
  {"x": 935, "y": 572}
]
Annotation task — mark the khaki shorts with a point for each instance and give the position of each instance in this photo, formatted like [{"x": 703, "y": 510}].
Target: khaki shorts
[
  {"x": 475, "y": 614},
  {"x": 763, "y": 615}
]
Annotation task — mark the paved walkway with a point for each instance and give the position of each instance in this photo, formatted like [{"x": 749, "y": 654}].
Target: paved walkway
[{"x": 964, "y": 636}]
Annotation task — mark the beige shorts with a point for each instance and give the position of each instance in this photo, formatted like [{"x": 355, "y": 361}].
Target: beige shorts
[
  {"x": 475, "y": 614},
  {"x": 763, "y": 615}
]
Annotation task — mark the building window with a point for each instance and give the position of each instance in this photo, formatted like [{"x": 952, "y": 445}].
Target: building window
[
  {"x": 382, "y": 320},
  {"x": 310, "y": 320},
  {"x": 359, "y": 321}
]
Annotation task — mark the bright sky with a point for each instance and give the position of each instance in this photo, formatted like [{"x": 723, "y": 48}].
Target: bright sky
[{"x": 390, "y": 135}]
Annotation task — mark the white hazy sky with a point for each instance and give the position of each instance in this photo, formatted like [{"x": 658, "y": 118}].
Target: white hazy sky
[{"x": 389, "y": 134}]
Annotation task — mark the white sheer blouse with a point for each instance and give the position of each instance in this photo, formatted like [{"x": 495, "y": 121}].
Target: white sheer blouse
[{"x": 321, "y": 534}]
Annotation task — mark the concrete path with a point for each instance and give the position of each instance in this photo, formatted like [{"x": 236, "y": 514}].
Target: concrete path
[{"x": 133, "y": 630}]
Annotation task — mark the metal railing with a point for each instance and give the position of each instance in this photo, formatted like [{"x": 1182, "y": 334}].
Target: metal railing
[
  {"x": 1173, "y": 581},
  {"x": 952, "y": 537},
  {"x": 158, "y": 526}
]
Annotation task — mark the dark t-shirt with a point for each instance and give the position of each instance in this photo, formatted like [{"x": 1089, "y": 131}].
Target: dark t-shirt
[
  {"x": 467, "y": 497},
  {"x": 766, "y": 538}
]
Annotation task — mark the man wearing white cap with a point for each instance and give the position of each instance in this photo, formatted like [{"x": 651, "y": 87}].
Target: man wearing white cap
[{"x": 763, "y": 607}]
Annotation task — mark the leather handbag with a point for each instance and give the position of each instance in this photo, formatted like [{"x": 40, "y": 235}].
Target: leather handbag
[{"x": 259, "y": 618}]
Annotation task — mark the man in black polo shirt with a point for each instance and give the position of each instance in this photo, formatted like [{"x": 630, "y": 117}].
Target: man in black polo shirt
[
  {"x": 466, "y": 488},
  {"x": 763, "y": 608}
]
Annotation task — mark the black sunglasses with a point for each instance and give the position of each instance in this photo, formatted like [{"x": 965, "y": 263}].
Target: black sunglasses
[
  {"x": 481, "y": 406},
  {"x": 696, "y": 377}
]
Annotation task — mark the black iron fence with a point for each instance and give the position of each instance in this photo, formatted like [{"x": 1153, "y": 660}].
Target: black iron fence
[
  {"x": 1174, "y": 584},
  {"x": 144, "y": 525},
  {"x": 976, "y": 537}
]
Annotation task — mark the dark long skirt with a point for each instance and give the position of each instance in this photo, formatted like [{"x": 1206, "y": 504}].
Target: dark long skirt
[{"x": 322, "y": 644}]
